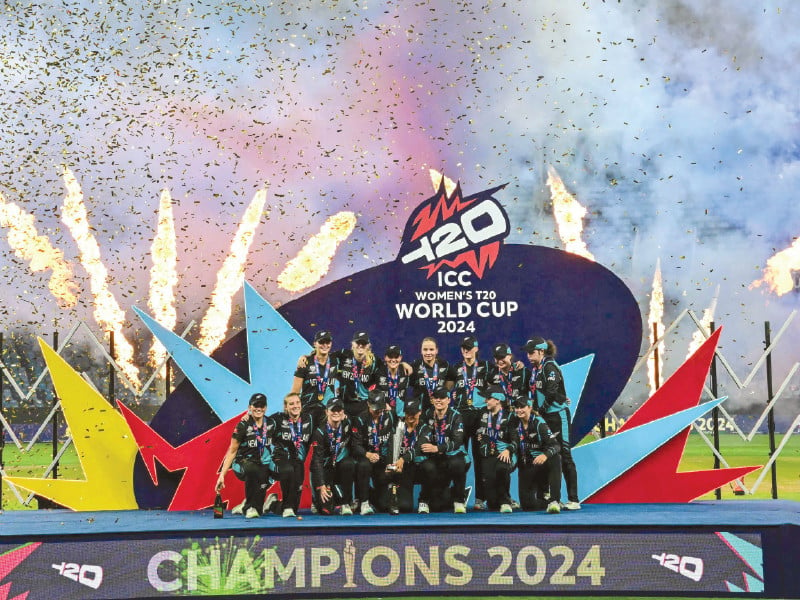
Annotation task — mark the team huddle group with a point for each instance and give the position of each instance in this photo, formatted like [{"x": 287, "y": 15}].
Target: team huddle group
[{"x": 382, "y": 426}]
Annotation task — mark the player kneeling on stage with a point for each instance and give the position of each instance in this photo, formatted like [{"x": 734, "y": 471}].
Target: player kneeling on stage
[
  {"x": 539, "y": 456},
  {"x": 405, "y": 471},
  {"x": 292, "y": 439},
  {"x": 332, "y": 466},
  {"x": 250, "y": 456},
  {"x": 372, "y": 450},
  {"x": 446, "y": 458},
  {"x": 498, "y": 450}
]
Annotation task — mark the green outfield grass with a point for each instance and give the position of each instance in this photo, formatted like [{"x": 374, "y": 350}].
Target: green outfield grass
[{"x": 696, "y": 456}]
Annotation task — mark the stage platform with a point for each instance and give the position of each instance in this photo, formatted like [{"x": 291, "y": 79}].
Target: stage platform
[{"x": 725, "y": 548}]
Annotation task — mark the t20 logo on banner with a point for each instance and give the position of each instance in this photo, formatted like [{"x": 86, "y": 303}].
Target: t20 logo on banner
[{"x": 454, "y": 231}]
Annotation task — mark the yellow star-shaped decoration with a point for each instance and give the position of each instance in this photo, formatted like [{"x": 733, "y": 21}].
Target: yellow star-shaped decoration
[{"x": 106, "y": 448}]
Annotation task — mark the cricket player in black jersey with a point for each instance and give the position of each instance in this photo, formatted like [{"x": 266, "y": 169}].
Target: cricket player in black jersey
[
  {"x": 393, "y": 379},
  {"x": 498, "y": 450},
  {"x": 510, "y": 376},
  {"x": 465, "y": 379},
  {"x": 357, "y": 373},
  {"x": 315, "y": 377},
  {"x": 446, "y": 458},
  {"x": 429, "y": 373},
  {"x": 250, "y": 455},
  {"x": 372, "y": 450},
  {"x": 407, "y": 456},
  {"x": 539, "y": 459},
  {"x": 332, "y": 466},
  {"x": 551, "y": 402},
  {"x": 292, "y": 440}
]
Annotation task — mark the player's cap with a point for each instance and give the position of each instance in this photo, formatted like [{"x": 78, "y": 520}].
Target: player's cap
[
  {"x": 393, "y": 351},
  {"x": 501, "y": 350},
  {"x": 335, "y": 404},
  {"x": 377, "y": 400},
  {"x": 469, "y": 342},
  {"x": 323, "y": 336},
  {"x": 535, "y": 343},
  {"x": 258, "y": 400},
  {"x": 361, "y": 336},
  {"x": 412, "y": 407}
]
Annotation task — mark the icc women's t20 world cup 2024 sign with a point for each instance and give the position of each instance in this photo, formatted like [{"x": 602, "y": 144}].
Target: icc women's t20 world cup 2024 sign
[{"x": 454, "y": 276}]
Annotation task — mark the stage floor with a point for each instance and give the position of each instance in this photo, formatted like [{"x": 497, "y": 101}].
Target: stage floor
[{"x": 723, "y": 548}]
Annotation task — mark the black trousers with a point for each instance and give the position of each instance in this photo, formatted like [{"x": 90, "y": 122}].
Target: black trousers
[
  {"x": 290, "y": 473},
  {"x": 496, "y": 481},
  {"x": 472, "y": 420},
  {"x": 256, "y": 479},
  {"x": 405, "y": 480},
  {"x": 340, "y": 479},
  {"x": 558, "y": 422},
  {"x": 534, "y": 479},
  {"x": 438, "y": 472},
  {"x": 375, "y": 472}
]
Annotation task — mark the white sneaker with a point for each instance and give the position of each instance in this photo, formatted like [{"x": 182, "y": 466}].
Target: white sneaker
[
  {"x": 288, "y": 512},
  {"x": 346, "y": 510},
  {"x": 459, "y": 508},
  {"x": 366, "y": 509},
  {"x": 251, "y": 513},
  {"x": 268, "y": 502},
  {"x": 554, "y": 508},
  {"x": 572, "y": 506},
  {"x": 423, "y": 508},
  {"x": 506, "y": 508},
  {"x": 515, "y": 505},
  {"x": 238, "y": 509},
  {"x": 313, "y": 508},
  {"x": 479, "y": 504}
]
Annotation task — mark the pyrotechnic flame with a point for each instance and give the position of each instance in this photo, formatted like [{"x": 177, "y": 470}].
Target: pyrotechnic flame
[
  {"x": 163, "y": 275},
  {"x": 656, "y": 316},
  {"x": 708, "y": 316},
  {"x": 314, "y": 259},
  {"x": 229, "y": 278},
  {"x": 107, "y": 311},
  {"x": 569, "y": 215},
  {"x": 436, "y": 179},
  {"x": 778, "y": 275},
  {"x": 28, "y": 245}
]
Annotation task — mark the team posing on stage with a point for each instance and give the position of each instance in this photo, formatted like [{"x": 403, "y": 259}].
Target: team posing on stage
[{"x": 378, "y": 427}]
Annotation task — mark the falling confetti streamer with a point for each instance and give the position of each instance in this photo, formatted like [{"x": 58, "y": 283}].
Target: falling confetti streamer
[
  {"x": 569, "y": 214},
  {"x": 781, "y": 275},
  {"x": 107, "y": 311},
  {"x": 656, "y": 316},
  {"x": 229, "y": 278},
  {"x": 163, "y": 275},
  {"x": 28, "y": 245},
  {"x": 314, "y": 259}
]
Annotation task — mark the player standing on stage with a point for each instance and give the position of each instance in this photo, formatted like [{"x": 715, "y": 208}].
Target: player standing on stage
[
  {"x": 509, "y": 376},
  {"x": 372, "y": 450},
  {"x": 332, "y": 466},
  {"x": 464, "y": 380},
  {"x": 250, "y": 455},
  {"x": 445, "y": 454},
  {"x": 292, "y": 439},
  {"x": 405, "y": 471},
  {"x": 550, "y": 400},
  {"x": 429, "y": 373},
  {"x": 539, "y": 459},
  {"x": 357, "y": 373},
  {"x": 315, "y": 377},
  {"x": 393, "y": 380},
  {"x": 498, "y": 449}
]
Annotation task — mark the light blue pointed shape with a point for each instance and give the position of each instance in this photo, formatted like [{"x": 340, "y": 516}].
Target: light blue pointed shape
[
  {"x": 734, "y": 588},
  {"x": 575, "y": 374},
  {"x": 602, "y": 461},
  {"x": 273, "y": 348},
  {"x": 750, "y": 554},
  {"x": 753, "y": 584}
]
